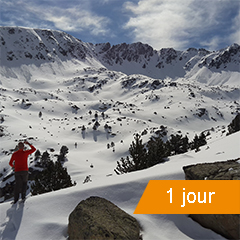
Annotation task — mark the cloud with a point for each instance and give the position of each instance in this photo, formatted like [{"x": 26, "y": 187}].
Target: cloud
[
  {"x": 211, "y": 44},
  {"x": 63, "y": 15},
  {"x": 173, "y": 23},
  {"x": 76, "y": 20},
  {"x": 235, "y": 36},
  {"x": 159, "y": 23}
]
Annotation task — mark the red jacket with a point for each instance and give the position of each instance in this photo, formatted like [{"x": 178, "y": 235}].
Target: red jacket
[{"x": 20, "y": 159}]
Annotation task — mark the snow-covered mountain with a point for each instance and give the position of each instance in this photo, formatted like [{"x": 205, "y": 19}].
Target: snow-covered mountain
[
  {"x": 24, "y": 45},
  {"x": 52, "y": 84}
]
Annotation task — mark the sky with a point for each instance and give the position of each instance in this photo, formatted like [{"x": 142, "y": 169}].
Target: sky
[{"x": 181, "y": 24}]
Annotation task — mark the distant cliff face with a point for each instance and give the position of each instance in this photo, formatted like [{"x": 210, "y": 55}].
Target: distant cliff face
[
  {"x": 227, "y": 225},
  {"x": 35, "y": 46}
]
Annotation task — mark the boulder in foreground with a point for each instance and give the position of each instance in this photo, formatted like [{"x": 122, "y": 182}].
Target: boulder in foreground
[
  {"x": 98, "y": 218},
  {"x": 228, "y": 225}
]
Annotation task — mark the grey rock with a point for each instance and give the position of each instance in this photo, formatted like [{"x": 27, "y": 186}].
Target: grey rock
[
  {"x": 98, "y": 218},
  {"x": 228, "y": 225},
  {"x": 227, "y": 170}
]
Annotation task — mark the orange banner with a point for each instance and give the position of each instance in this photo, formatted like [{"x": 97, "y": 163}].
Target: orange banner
[{"x": 190, "y": 197}]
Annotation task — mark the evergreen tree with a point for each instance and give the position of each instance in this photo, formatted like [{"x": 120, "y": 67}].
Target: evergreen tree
[
  {"x": 45, "y": 159},
  {"x": 168, "y": 149},
  {"x": 37, "y": 155},
  {"x": 138, "y": 153},
  {"x": 194, "y": 143},
  {"x": 64, "y": 150},
  {"x": 177, "y": 144},
  {"x": 62, "y": 179},
  {"x": 202, "y": 139},
  {"x": 63, "y": 153},
  {"x": 198, "y": 141},
  {"x": 124, "y": 166},
  {"x": 156, "y": 151},
  {"x": 52, "y": 178},
  {"x": 184, "y": 144}
]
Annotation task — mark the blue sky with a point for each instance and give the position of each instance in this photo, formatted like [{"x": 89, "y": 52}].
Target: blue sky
[{"x": 210, "y": 24}]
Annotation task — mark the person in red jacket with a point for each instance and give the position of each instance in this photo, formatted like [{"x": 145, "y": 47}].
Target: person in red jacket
[{"x": 19, "y": 161}]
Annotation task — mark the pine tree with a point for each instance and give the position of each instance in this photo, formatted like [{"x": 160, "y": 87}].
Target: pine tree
[
  {"x": 202, "y": 139},
  {"x": 137, "y": 159},
  {"x": 37, "y": 155},
  {"x": 175, "y": 144},
  {"x": 138, "y": 153},
  {"x": 124, "y": 166},
  {"x": 52, "y": 178},
  {"x": 62, "y": 179},
  {"x": 42, "y": 182},
  {"x": 63, "y": 153},
  {"x": 185, "y": 144},
  {"x": 45, "y": 159},
  {"x": 168, "y": 149},
  {"x": 142, "y": 157},
  {"x": 198, "y": 141},
  {"x": 195, "y": 143},
  {"x": 156, "y": 151}
]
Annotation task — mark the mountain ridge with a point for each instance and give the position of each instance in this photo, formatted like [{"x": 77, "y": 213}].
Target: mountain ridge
[{"x": 25, "y": 46}]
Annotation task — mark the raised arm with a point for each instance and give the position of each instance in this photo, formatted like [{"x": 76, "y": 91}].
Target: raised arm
[{"x": 33, "y": 149}]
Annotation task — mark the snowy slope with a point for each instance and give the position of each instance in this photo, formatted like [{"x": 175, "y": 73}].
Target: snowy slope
[
  {"x": 49, "y": 212},
  {"x": 69, "y": 81}
]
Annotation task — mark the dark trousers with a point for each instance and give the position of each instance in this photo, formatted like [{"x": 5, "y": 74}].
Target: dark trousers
[{"x": 21, "y": 179}]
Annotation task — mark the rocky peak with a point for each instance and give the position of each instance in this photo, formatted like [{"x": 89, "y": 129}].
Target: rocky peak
[
  {"x": 203, "y": 51},
  {"x": 168, "y": 52},
  {"x": 222, "y": 58},
  {"x": 130, "y": 52},
  {"x": 230, "y": 54},
  {"x": 104, "y": 47}
]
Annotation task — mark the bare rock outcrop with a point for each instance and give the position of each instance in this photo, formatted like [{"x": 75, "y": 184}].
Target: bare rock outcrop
[
  {"x": 98, "y": 218},
  {"x": 228, "y": 225},
  {"x": 227, "y": 170}
]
